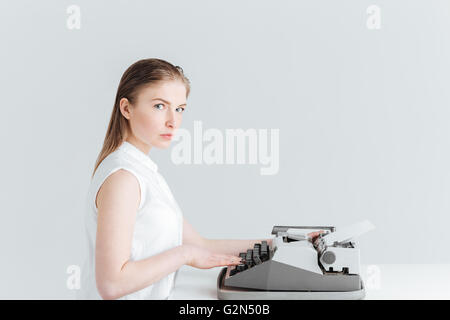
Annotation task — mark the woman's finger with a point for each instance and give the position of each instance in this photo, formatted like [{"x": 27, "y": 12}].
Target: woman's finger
[
  {"x": 234, "y": 260},
  {"x": 315, "y": 233},
  {"x": 226, "y": 260}
]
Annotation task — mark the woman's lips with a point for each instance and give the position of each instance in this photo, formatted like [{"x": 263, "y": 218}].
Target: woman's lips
[{"x": 167, "y": 136}]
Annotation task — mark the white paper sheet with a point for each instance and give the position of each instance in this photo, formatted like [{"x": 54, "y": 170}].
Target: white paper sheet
[{"x": 346, "y": 233}]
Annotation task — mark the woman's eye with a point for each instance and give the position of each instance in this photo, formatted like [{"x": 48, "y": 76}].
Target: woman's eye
[
  {"x": 157, "y": 106},
  {"x": 179, "y": 109}
]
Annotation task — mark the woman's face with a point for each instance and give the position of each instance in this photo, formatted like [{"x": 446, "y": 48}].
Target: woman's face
[{"x": 156, "y": 114}]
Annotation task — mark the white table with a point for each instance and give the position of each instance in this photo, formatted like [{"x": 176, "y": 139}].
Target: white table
[{"x": 384, "y": 281}]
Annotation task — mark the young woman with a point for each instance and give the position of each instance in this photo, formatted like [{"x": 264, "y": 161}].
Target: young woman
[{"x": 137, "y": 235}]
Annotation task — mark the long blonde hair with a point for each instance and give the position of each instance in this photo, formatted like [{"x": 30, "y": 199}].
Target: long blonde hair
[{"x": 140, "y": 74}]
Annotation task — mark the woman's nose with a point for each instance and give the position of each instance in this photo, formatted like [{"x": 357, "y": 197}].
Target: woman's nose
[
  {"x": 170, "y": 123},
  {"x": 170, "y": 120}
]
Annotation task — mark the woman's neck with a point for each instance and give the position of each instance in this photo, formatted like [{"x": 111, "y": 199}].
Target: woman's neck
[{"x": 145, "y": 148}]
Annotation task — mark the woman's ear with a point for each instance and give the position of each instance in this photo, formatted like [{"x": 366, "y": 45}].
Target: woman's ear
[{"x": 124, "y": 106}]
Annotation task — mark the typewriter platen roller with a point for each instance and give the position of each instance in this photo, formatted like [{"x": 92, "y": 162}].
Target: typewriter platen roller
[{"x": 296, "y": 266}]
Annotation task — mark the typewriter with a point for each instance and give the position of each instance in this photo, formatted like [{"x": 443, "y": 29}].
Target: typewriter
[{"x": 296, "y": 266}]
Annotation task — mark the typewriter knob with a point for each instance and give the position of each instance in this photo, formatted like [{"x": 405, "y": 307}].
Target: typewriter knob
[{"x": 328, "y": 257}]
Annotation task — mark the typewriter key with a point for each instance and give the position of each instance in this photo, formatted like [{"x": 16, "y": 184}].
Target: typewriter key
[
  {"x": 257, "y": 248},
  {"x": 240, "y": 267},
  {"x": 264, "y": 246},
  {"x": 264, "y": 251},
  {"x": 248, "y": 258},
  {"x": 256, "y": 258}
]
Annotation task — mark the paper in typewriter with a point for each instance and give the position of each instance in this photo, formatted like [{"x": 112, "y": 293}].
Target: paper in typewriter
[{"x": 345, "y": 234}]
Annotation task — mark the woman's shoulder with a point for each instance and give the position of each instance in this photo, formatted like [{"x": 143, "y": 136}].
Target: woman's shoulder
[
  {"x": 118, "y": 181},
  {"x": 115, "y": 161},
  {"x": 116, "y": 169}
]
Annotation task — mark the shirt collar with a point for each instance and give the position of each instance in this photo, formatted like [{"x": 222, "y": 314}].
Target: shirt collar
[{"x": 138, "y": 154}]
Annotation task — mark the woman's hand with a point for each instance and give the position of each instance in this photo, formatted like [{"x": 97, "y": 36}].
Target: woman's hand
[
  {"x": 201, "y": 258},
  {"x": 313, "y": 235}
]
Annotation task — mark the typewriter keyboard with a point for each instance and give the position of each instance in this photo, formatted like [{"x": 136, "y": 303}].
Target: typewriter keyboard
[{"x": 260, "y": 253}]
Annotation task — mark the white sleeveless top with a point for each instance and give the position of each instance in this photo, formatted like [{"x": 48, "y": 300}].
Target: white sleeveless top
[{"x": 158, "y": 226}]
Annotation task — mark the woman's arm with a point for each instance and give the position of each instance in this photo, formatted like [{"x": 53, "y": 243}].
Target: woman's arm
[
  {"x": 227, "y": 246},
  {"x": 232, "y": 247},
  {"x": 117, "y": 202}
]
